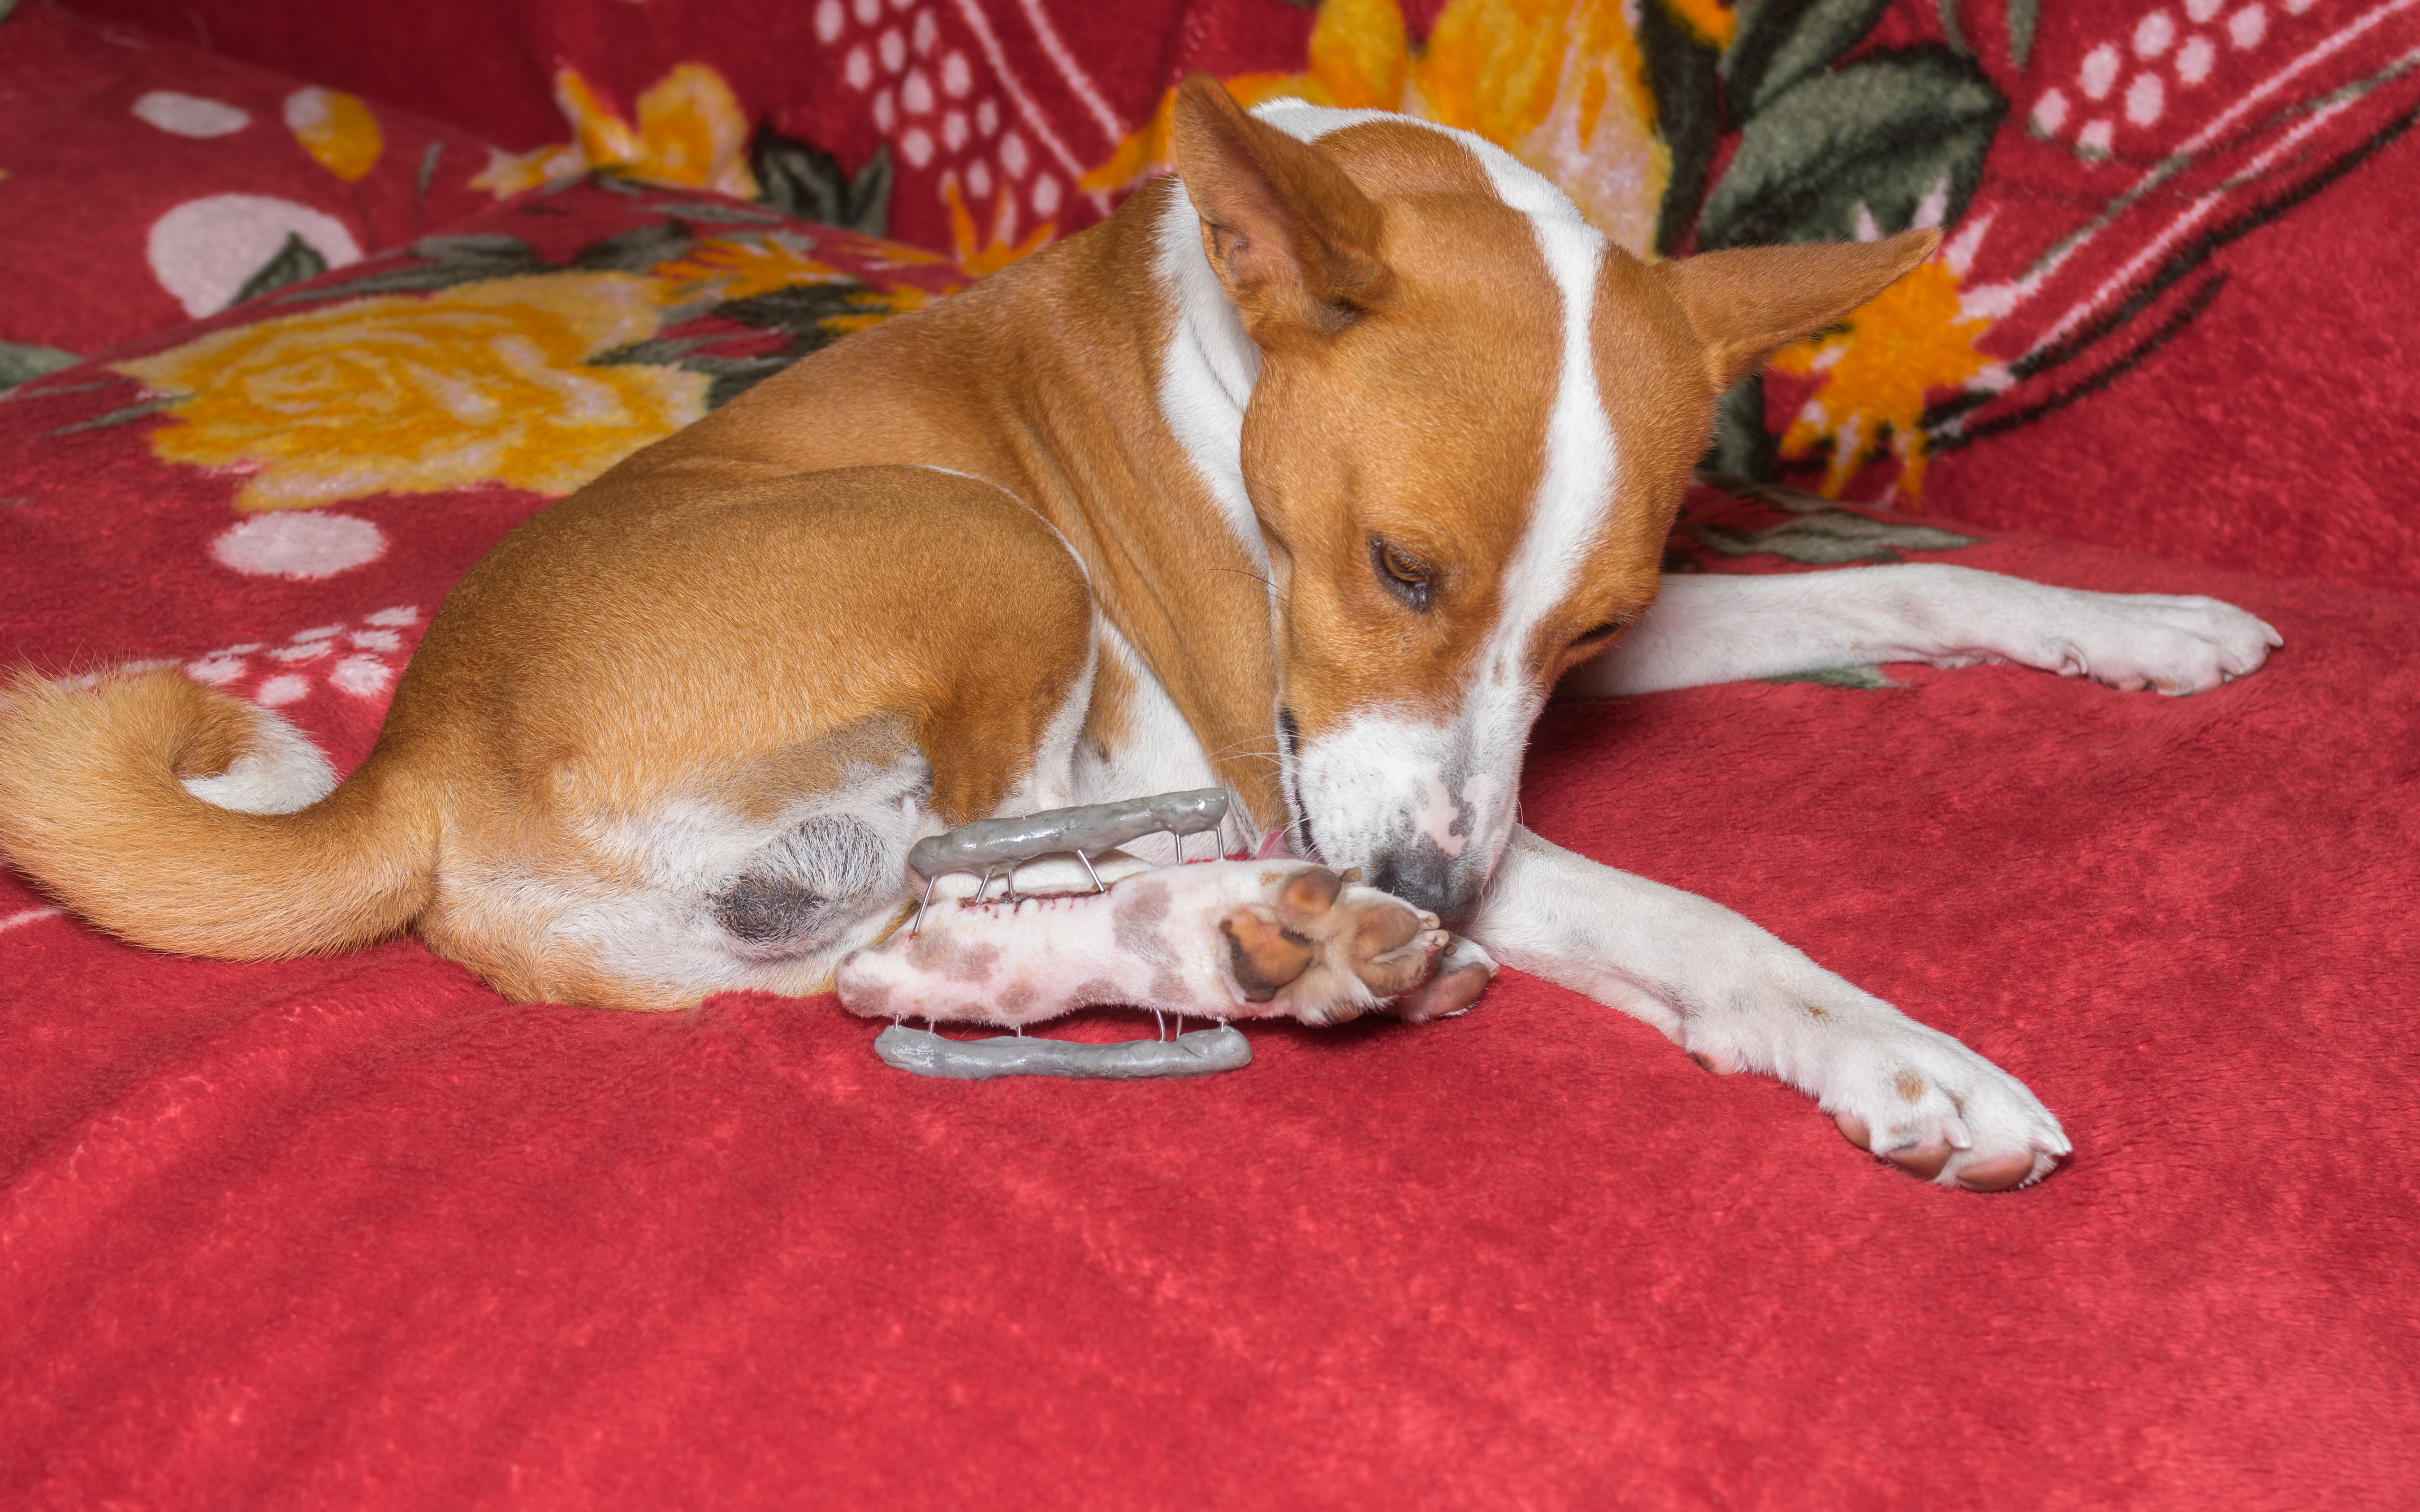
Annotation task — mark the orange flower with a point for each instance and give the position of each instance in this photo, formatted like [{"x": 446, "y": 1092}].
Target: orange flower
[
  {"x": 690, "y": 132},
  {"x": 337, "y": 130},
  {"x": 1876, "y": 370},
  {"x": 484, "y": 383},
  {"x": 1714, "y": 22},
  {"x": 1561, "y": 84},
  {"x": 875, "y": 306},
  {"x": 984, "y": 258},
  {"x": 739, "y": 267}
]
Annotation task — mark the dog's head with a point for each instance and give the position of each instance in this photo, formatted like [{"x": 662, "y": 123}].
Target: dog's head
[{"x": 1473, "y": 421}]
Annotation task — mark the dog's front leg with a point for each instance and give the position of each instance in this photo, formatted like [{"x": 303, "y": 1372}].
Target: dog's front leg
[
  {"x": 1719, "y": 628},
  {"x": 1738, "y": 1000}
]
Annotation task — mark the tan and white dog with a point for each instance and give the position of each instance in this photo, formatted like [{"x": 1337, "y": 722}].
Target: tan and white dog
[{"x": 1311, "y": 473}]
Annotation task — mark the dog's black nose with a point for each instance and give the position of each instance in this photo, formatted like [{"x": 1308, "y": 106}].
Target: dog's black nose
[{"x": 1422, "y": 875}]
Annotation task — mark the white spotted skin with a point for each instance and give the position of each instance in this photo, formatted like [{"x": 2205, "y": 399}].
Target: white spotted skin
[{"x": 1152, "y": 941}]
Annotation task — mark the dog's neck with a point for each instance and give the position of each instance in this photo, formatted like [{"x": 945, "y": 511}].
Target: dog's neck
[
  {"x": 1207, "y": 367},
  {"x": 1130, "y": 414}
]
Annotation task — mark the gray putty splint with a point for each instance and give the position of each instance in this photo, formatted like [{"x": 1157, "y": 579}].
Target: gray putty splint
[
  {"x": 987, "y": 844},
  {"x": 1203, "y": 1052}
]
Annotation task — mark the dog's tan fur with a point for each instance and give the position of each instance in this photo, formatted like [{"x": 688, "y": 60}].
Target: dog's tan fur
[{"x": 788, "y": 591}]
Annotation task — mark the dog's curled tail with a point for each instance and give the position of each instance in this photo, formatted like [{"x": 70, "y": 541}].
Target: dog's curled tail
[{"x": 176, "y": 817}]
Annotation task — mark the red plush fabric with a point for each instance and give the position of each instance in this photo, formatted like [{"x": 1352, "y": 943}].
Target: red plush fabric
[
  {"x": 355, "y": 1232},
  {"x": 2278, "y": 432},
  {"x": 108, "y": 133},
  {"x": 493, "y": 65}
]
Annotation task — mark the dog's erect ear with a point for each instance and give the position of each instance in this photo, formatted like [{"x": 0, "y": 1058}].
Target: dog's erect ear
[
  {"x": 1290, "y": 237},
  {"x": 1746, "y": 303}
]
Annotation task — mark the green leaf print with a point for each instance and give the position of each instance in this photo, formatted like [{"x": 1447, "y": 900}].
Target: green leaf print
[
  {"x": 1881, "y": 135},
  {"x": 1781, "y": 42},
  {"x": 1830, "y": 537},
  {"x": 295, "y": 261},
  {"x": 19, "y": 362}
]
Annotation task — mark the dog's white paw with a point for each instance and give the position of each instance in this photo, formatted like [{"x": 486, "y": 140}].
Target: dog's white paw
[
  {"x": 1938, "y": 1110},
  {"x": 2176, "y": 645}
]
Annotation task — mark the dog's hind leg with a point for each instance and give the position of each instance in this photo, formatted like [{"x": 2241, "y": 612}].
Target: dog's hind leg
[
  {"x": 1719, "y": 628},
  {"x": 714, "y": 725},
  {"x": 1738, "y": 1000}
]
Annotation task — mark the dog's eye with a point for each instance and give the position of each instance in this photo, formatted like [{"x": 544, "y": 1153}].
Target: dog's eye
[
  {"x": 1599, "y": 633},
  {"x": 1404, "y": 575}
]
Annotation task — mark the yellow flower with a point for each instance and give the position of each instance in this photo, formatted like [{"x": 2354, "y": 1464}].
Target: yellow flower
[
  {"x": 1563, "y": 85},
  {"x": 337, "y": 130},
  {"x": 1875, "y": 371},
  {"x": 1360, "y": 55},
  {"x": 484, "y": 383},
  {"x": 1560, "y": 84},
  {"x": 690, "y": 132}
]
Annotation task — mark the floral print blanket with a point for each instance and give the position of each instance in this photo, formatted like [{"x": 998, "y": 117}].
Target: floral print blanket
[
  {"x": 2165, "y": 217},
  {"x": 297, "y": 326},
  {"x": 389, "y": 420}
]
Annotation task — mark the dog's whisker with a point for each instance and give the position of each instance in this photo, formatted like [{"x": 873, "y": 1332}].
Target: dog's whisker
[{"x": 1254, "y": 576}]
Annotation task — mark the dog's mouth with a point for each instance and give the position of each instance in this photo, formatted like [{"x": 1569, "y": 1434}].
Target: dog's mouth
[
  {"x": 1279, "y": 844},
  {"x": 1295, "y": 839},
  {"x": 1424, "y": 809}
]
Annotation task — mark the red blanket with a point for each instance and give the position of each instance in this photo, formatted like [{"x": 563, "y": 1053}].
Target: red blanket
[{"x": 355, "y": 1232}]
